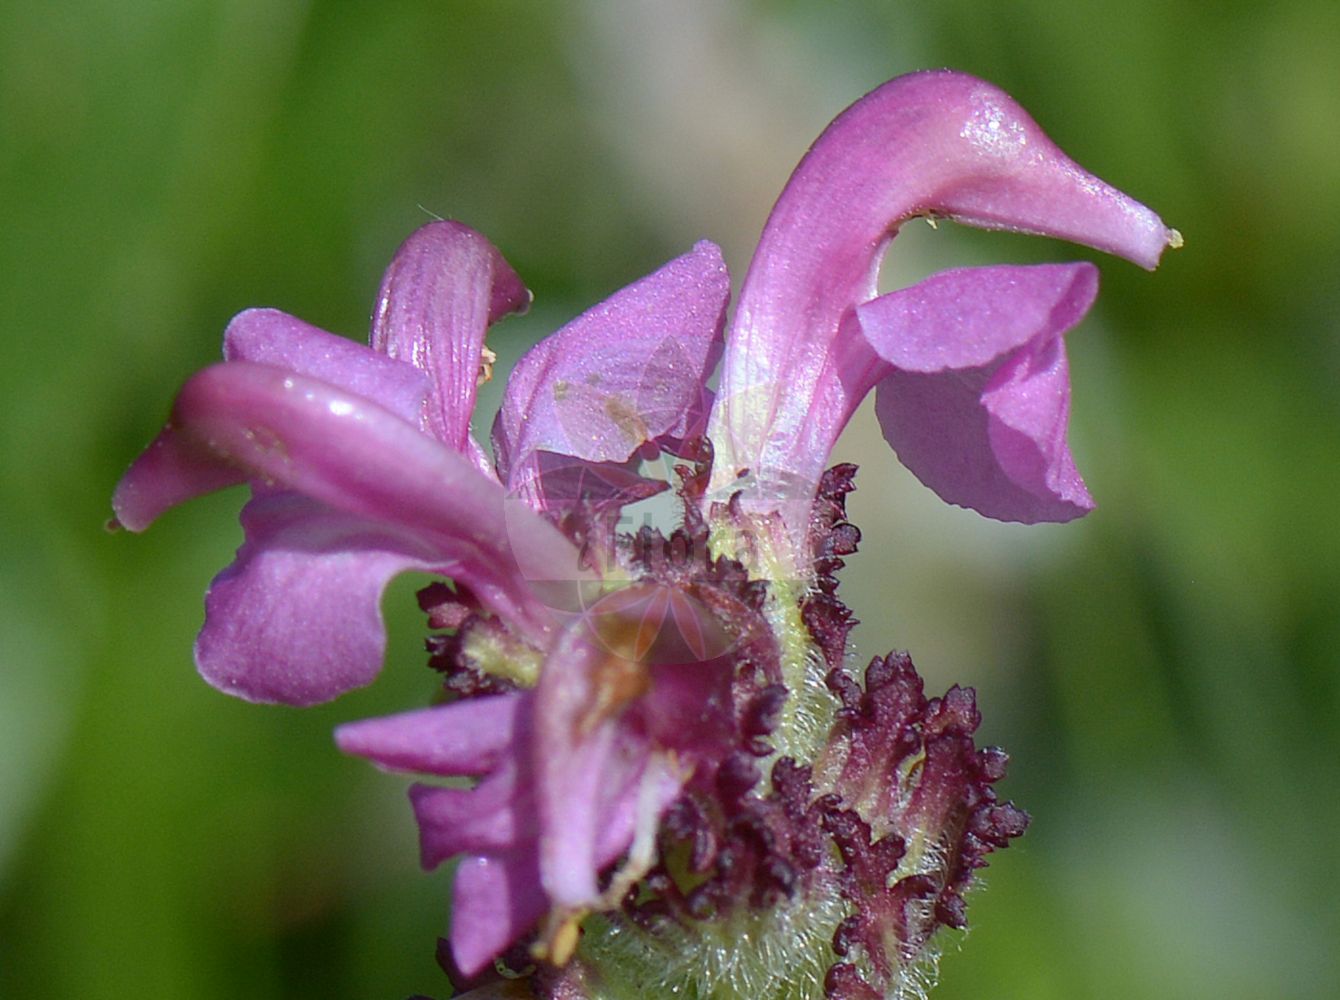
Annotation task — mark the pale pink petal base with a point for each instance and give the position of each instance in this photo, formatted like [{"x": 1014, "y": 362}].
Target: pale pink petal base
[{"x": 587, "y": 761}]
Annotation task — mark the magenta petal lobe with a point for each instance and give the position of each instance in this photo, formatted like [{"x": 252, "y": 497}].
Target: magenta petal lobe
[
  {"x": 1028, "y": 400},
  {"x": 464, "y": 738},
  {"x": 300, "y": 434},
  {"x": 178, "y": 467},
  {"x": 496, "y": 899},
  {"x": 1027, "y": 184},
  {"x": 497, "y": 815},
  {"x": 296, "y": 619},
  {"x": 444, "y": 287},
  {"x": 977, "y": 397},
  {"x": 970, "y": 317},
  {"x": 172, "y": 470},
  {"x": 271, "y": 337},
  {"x": 628, "y": 372}
]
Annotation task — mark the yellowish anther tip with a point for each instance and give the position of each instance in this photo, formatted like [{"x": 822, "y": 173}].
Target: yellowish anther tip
[
  {"x": 1174, "y": 240},
  {"x": 559, "y": 938},
  {"x": 487, "y": 359},
  {"x": 565, "y": 942}
]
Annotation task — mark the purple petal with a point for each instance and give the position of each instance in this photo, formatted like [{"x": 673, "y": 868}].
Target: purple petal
[
  {"x": 1029, "y": 403},
  {"x": 164, "y": 475},
  {"x": 271, "y": 337},
  {"x": 296, "y": 618},
  {"x": 973, "y": 316},
  {"x": 444, "y": 287},
  {"x": 464, "y": 738},
  {"x": 978, "y": 397},
  {"x": 495, "y": 816},
  {"x": 627, "y": 372},
  {"x": 495, "y": 900},
  {"x": 284, "y": 430},
  {"x": 935, "y": 143},
  {"x": 595, "y": 796}
]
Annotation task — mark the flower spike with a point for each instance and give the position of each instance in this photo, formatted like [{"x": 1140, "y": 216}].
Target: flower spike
[{"x": 662, "y": 731}]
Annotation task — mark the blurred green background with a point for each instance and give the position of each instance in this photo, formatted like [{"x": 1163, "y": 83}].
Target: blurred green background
[{"x": 1165, "y": 674}]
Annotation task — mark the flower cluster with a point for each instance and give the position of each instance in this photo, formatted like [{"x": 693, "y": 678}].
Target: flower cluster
[{"x": 675, "y": 783}]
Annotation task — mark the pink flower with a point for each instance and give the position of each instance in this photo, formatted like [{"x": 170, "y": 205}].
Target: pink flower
[
  {"x": 362, "y": 464},
  {"x": 970, "y": 367}
]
